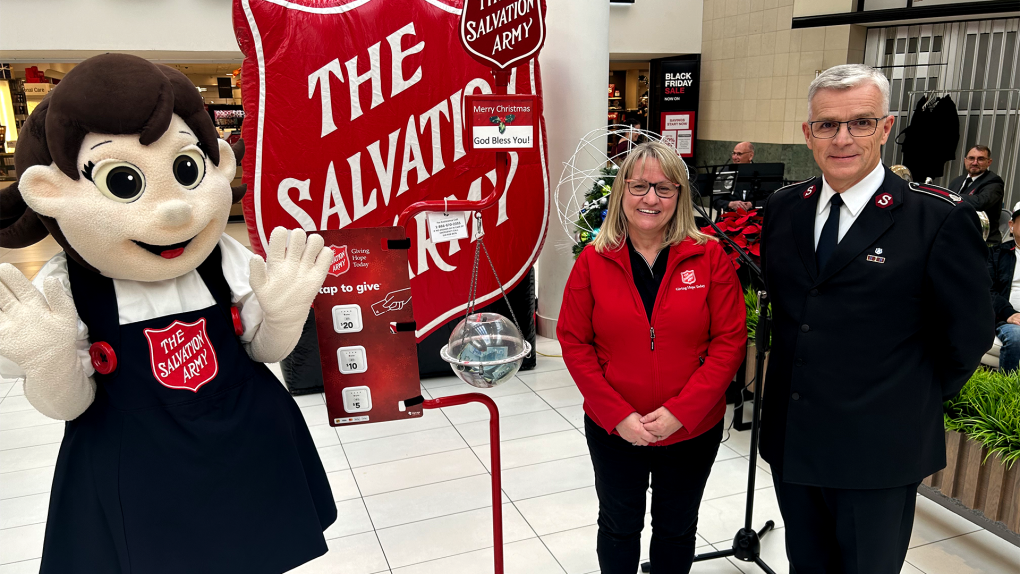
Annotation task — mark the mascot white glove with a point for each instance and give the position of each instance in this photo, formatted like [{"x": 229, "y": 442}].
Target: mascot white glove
[
  {"x": 40, "y": 335},
  {"x": 285, "y": 284}
]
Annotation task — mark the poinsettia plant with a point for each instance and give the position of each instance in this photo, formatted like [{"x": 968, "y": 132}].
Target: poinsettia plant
[{"x": 744, "y": 228}]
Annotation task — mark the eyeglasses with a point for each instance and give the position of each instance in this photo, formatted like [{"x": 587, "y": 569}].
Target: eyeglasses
[
  {"x": 640, "y": 187},
  {"x": 858, "y": 128},
  {"x": 980, "y": 159},
  {"x": 740, "y": 153}
]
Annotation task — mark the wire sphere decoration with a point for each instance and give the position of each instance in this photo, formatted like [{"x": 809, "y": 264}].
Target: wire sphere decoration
[
  {"x": 485, "y": 350},
  {"x": 584, "y": 170}
]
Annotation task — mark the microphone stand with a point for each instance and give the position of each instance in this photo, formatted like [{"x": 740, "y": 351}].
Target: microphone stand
[{"x": 747, "y": 542}]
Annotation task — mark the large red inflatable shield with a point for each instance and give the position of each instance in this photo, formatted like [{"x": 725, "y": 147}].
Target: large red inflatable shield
[{"x": 355, "y": 110}]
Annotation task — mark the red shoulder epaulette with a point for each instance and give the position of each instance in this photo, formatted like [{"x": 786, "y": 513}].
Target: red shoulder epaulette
[{"x": 936, "y": 191}]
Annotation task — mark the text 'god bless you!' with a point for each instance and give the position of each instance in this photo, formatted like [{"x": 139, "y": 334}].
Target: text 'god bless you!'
[{"x": 377, "y": 177}]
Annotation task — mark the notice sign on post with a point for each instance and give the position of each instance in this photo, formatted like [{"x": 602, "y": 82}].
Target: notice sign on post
[
  {"x": 502, "y": 123},
  {"x": 678, "y": 131}
]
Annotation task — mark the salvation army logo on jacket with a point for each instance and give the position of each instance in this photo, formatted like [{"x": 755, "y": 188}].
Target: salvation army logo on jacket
[
  {"x": 688, "y": 277},
  {"x": 341, "y": 262},
  {"x": 182, "y": 355}
]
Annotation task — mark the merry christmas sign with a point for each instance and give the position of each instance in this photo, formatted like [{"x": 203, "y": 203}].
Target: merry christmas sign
[{"x": 354, "y": 109}]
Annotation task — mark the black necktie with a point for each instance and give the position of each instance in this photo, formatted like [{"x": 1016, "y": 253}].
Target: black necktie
[
  {"x": 966, "y": 184},
  {"x": 830, "y": 233}
]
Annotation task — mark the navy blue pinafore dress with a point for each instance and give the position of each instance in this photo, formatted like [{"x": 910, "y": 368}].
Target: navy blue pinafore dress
[{"x": 191, "y": 459}]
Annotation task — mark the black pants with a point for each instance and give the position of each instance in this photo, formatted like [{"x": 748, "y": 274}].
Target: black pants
[
  {"x": 846, "y": 531},
  {"x": 678, "y": 472}
]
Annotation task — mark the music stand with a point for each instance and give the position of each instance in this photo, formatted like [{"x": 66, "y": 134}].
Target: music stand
[{"x": 755, "y": 181}]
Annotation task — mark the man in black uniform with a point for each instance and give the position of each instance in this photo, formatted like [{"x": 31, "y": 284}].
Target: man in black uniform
[
  {"x": 881, "y": 311},
  {"x": 982, "y": 188}
]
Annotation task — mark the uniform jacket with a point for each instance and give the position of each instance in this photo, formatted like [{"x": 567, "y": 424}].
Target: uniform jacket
[
  {"x": 1001, "y": 266},
  {"x": 683, "y": 359},
  {"x": 865, "y": 351},
  {"x": 984, "y": 194}
]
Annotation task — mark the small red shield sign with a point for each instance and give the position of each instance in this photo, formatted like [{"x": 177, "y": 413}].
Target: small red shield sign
[
  {"x": 341, "y": 262},
  {"x": 883, "y": 200},
  {"x": 182, "y": 355},
  {"x": 688, "y": 277},
  {"x": 502, "y": 34}
]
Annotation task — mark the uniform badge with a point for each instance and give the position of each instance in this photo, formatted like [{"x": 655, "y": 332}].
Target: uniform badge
[
  {"x": 878, "y": 251},
  {"x": 182, "y": 355},
  {"x": 884, "y": 200},
  {"x": 688, "y": 277},
  {"x": 876, "y": 259},
  {"x": 809, "y": 192},
  {"x": 341, "y": 262}
]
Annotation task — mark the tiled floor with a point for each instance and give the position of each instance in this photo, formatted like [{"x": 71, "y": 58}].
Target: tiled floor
[{"x": 414, "y": 496}]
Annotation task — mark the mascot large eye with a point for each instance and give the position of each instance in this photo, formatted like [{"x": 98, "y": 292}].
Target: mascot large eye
[
  {"x": 120, "y": 181},
  {"x": 189, "y": 168}
]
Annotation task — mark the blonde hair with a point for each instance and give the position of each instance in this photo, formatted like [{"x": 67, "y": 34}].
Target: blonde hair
[{"x": 613, "y": 232}]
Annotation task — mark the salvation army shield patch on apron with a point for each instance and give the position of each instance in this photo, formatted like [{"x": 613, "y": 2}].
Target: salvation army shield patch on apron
[{"x": 182, "y": 356}]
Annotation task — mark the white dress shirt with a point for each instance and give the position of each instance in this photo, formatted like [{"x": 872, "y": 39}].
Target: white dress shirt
[
  {"x": 141, "y": 301},
  {"x": 854, "y": 200}
]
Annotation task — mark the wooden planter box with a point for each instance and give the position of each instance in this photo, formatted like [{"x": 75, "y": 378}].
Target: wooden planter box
[{"x": 988, "y": 488}]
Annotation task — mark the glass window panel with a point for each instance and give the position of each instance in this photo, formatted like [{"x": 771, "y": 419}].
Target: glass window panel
[
  {"x": 1007, "y": 68},
  {"x": 936, "y": 44},
  {"x": 993, "y": 69},
  {"x": 925, "y": 43},
  {"x": 912, "y": 46},
  {"x": 970, "y": 45},
  {"x": 895, "y": 92},
  {"x": 901, "y": 45},
  {"x": 998, "y": 136},
  {"x": 889, "y": 45}
]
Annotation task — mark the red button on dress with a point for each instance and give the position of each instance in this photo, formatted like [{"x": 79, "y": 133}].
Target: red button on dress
[
  {"x": 235, "y": 314},
  {"x": 104, "y": 360}
]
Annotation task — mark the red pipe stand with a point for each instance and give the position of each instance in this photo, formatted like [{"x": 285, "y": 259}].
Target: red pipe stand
[
  {"x": 502, "y": 81},
  {"x": 497, "y": 489}
]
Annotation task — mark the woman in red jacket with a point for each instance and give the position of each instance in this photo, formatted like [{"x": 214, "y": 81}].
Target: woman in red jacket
[{"x": 652, "y": 329}]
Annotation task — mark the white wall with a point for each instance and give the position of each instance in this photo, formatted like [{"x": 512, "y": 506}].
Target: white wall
[
  {"x": 652, "y": 28},
  {"x": 72, "y": 30},
  {"x": 574, "y": 62},
  {"x": 803, "y": 8}
]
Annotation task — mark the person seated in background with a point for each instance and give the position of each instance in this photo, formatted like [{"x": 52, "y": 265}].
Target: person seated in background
[
  {"x": 982, "y": 188},
  {"x": 743, "y": 152},
  {"x": 627, "y": 141},
  {"x": 1006, "y": 297}
]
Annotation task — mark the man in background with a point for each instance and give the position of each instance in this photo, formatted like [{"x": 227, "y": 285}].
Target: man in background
[
  {"x": 982, "y": 188},
  {"x": 743, "y": 152}
]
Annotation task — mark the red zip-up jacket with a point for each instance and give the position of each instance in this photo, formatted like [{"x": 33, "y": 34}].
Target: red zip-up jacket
[{"x": 683, "y": 359}]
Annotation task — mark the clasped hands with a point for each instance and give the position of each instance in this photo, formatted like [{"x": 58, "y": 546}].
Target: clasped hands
[{"x": 643, "y": 430}]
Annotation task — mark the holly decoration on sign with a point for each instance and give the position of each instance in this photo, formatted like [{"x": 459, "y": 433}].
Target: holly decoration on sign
[
  {"x": 502, "y": 122},
  {"x": 744, "y": 228},
  {"x": 594, "y": 210}
]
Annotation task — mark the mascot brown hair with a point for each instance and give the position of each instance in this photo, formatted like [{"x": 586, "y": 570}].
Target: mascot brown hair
[{"x": 148, "y": 334}]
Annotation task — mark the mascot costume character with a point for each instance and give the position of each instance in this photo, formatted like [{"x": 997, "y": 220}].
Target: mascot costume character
[{"x": 147, "y": 333}]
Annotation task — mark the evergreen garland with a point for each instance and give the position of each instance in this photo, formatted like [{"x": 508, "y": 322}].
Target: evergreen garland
[{"x": 593, "y": 211}]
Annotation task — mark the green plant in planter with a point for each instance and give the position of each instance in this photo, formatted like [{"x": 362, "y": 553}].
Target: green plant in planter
[
  {"x": 988, "y": 411},
  {"x": 751, "y": 302}
]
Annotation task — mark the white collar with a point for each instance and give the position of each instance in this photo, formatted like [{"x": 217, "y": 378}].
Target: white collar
[{"x": 859, "y": 194}]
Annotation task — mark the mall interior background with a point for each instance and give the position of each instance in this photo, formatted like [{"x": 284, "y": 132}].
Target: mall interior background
[{"x": 757, "y": 59}]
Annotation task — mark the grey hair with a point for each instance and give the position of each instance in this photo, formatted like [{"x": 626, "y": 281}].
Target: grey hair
[{"x": 850, "y": 76}]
